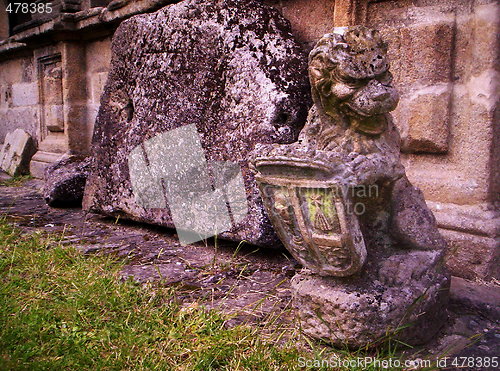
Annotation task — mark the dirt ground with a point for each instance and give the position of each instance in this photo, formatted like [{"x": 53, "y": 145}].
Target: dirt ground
[{"x": 252, "y": 284}]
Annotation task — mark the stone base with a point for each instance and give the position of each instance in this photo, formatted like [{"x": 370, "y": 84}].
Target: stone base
[
  {"x": 41, "y": 161},
  {"x": 363, "y": 312}
]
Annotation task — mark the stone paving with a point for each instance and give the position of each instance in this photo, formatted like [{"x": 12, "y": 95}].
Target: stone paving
[{"x": 252, "y": 284}]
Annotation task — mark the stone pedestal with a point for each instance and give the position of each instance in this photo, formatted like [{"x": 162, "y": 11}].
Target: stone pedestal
[{"x": 41, "y": 161}]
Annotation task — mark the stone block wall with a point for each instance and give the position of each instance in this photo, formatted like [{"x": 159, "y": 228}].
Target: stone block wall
[
  {"x": 445, "y": 60},
  {"x": 4, "y": 24},
  {"x": 68, "y": 52},
  {"x": 444, "y": 56},
  {"x": 310, "y": 19}
]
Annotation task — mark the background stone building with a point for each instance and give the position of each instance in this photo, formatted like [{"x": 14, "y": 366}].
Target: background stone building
[{"x": 444, "y": 53}]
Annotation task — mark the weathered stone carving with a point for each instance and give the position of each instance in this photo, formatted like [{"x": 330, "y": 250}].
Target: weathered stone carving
[{"x": 341, "y": 203}]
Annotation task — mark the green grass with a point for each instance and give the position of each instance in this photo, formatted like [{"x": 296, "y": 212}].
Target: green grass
[{"x": 62, "y": 310}]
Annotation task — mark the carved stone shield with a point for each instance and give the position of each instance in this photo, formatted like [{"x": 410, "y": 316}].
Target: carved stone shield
[{"x": 312, "y": 216}]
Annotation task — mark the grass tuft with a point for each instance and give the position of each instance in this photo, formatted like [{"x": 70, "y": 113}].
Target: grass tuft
[{"x": 62, "y": 310}]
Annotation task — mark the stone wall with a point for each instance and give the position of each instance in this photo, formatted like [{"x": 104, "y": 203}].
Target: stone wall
[
  {"x": 53, "y": 69},
  {"x": 310, "y": 19},
  {"x": 18, "y": 96},
  {"x": 445, "y": 59},
  {"x": 4, "y": 20}
]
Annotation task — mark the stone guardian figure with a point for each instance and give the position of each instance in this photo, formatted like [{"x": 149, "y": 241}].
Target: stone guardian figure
[{"x": 341, "y": 203}]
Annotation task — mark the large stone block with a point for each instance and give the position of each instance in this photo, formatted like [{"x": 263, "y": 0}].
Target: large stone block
[
  {"x": 232, "y": 68},
  {"x": 472, "y": 233},
  {"x": 422, "y": 53},
  {"x": 486, "y": 24},
  {"x": 471, "y": 256},
  {"x": 421, "y": 45},
  {"x": 16, "y": 153}
]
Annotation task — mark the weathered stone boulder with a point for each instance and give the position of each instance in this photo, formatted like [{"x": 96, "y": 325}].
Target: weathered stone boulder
[
  {"x": 16, "y": 153},
  {"x": 65, "y": 181},
  {"x": 231, "y": 67}
]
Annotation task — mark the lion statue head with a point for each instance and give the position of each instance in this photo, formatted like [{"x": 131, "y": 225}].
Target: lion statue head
[{"x": 350, "y": 77}]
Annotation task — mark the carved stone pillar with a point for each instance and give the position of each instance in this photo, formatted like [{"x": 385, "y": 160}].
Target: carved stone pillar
[
  {"x": 349, "y": 12},
  {"x": 341, "y": 203},
  {"x": 62, "y": 114}
]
